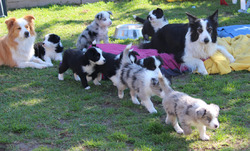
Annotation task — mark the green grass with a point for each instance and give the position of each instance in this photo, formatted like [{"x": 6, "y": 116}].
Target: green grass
[{"x": 39, "y": 112}]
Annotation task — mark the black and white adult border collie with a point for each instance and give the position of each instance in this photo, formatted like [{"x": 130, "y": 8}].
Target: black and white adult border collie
[
  {"x": 190, "y": 42},
  {"x": 50, "y": 49},
  {"x": 81, "y": 63},
  {"x": 155, "y": 20}
]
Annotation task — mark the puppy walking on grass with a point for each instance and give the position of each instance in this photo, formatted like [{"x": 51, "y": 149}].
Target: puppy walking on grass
[
  {"x": 189, "y": 111},
  {"x": 139, "y": 80}
]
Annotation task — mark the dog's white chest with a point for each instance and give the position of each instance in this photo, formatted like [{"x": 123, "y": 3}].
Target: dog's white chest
[
  {"x": 201, "y": 51},
  {"x": 88, "y": 69},
  {"x": 102, "y": 32},
  {"x": 24, "y": 51}
]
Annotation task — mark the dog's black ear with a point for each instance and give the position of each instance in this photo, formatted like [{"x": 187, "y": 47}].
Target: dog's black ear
[
  {"x": 200, "y": 112},
  {"x": 134, "y": 53},
  {"x": 99, "y": 16},
  {"x": 216, "y": 107},
  {"x": 214, "y": 17},
  {"x": 110, "y": 12},
  {"x": 160, "y": 10},
  {"x": 192, "y": 19},
  {"x": 59, "y": 48}
]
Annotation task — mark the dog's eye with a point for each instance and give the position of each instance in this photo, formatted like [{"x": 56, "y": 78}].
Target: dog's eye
[
  {"x": 19, "y": 28},
  {"x": 208, "y": 119},
  {"x": 104, "y": 19},
  {"x": 199, "y": 30},
  {"x": 26, "y": 26},
  {"x": 209, "y": 29}
]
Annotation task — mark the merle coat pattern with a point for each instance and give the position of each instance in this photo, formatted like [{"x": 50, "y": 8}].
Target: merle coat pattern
[
  {"x": 139, "y": 80},
  {"x": 188, "y": 111},
  {"x": 97, "y": 30}
]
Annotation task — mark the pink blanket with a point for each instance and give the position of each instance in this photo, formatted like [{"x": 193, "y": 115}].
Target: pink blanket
[{"x": 168, "y": 64}]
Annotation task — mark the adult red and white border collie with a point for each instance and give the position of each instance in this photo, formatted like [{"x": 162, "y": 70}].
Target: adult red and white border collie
[
  {"x": 16, "y": 48},
  {"x": 190, "y": 43}
]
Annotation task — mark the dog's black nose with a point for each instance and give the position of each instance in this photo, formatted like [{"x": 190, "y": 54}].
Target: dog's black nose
[
  {"x": 104, "y": 61},
  {"x": 206, "y": 40},
  {"x": 26, "y": 34},
  {"x": 43, "y": 43},
  {"x": 215, "y": 126}
]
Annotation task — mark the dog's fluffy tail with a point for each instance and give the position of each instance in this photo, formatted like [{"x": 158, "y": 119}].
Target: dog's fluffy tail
[
  {"x": 125, "y": 54},
  {"x": 141, "y": 20},
  {"x": 164, "y": 83}
]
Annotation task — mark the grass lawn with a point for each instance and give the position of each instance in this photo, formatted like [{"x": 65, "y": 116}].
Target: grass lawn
[{"x": 38, "y": 112}]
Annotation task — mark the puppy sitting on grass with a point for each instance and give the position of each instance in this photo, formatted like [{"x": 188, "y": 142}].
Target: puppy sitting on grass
[{"x": 189, "y": 111}]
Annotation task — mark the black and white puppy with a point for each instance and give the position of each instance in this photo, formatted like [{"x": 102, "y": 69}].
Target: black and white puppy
[
  {"x": 110, "y": 68},
  {"x": 151, "y": 63},
  {"x": 81, "y": 63},
  {"x": 190, "y": 42},
  {"x": 153, "y": 23},
  {"x": 97, "y": 30},
  {"x": 50, "y": 49}
]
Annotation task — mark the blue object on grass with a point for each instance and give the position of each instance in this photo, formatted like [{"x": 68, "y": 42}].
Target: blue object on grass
[{"x": 234, "y": 30}]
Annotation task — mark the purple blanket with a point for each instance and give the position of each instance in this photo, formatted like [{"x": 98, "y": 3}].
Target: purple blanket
[{"x": 170, "y": 66}]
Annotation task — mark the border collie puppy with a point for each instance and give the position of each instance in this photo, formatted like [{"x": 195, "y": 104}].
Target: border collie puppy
[
  {"x": 17, "y": 47},
  {"x": 151, "y": 63},
  {"x": 188, "y": 110},
  {"x": 139, "y": 80},
  {"x": 153, "y": 23},
  {"x": 190, "y": 42},
  {"x": 50, "y": 48},
  {"x": 97, "y": 30},
  {"x": 110, "y": 68},
  {"x": 81, "y": 63}
]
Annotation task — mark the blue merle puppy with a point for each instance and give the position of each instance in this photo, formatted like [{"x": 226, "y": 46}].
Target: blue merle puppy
[{"x": 97, "y": 30}]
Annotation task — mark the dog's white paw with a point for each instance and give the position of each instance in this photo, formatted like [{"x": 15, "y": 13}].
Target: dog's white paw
[
  {"x": 180, "y": 131},
  {"x": 50, "y": 64},
  {"x": 120, "y": 94},
  {"x": 77, "y": 78},
  {"x": 203, "y": 72},
  {"x": 205, "y": 137},
  {"x": 88, "y": 87},
  {"x": 96, "y": 82},
  {"x": 151, "y": 111},
  {"x": 60, "y": 77},
  {"x": 134, "y": 16},
  {"x": 231, "y": 59},
  {"x": 135, "y": 100}
]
